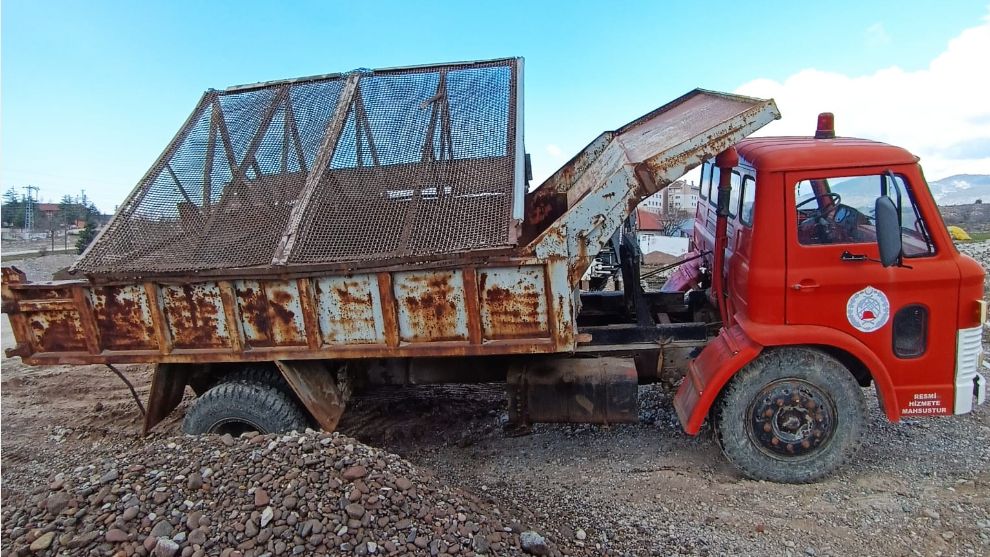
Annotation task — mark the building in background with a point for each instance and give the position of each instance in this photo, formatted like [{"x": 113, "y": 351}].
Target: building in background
[{"x": 679, "y": 197}]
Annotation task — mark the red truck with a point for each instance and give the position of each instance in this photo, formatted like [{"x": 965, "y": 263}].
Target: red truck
[
  {"x": 299, "y": 240},
  {"x": 837, "y": 273}
]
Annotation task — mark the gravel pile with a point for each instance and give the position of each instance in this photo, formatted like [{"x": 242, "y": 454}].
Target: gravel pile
[{"x": 296, "y": 494}]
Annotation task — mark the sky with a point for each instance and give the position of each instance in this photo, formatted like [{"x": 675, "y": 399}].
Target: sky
[{"x": 92, "y": 91}]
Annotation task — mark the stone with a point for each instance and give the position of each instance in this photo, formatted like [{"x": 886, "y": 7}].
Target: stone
[
  {"x": 266, "y": 516},
  {"x": 354, "y": 510},
  {"x": 581, "y": 534},
  {"x": 403, "y": 484},
  {"x": 197, "y": 536},
  {"x": 161, "y": 529},
  {"x": 250, "y": 529},
  {"x": 192, "y": 520},
  {"x": 43, "y": 542},
  {"x": 480, "y": 544},
  {"x": 264, "y": 535},
  {"x": 931, "y": 513},
  {"x": 130, "y": 513},
  {"x": 290, "y": 503},
  {"x": 166, "y": 548},
  {"x": 355, "y": 473},
  {"x": 261, "y": 498},
  {"x": 109, "y": 477},
  {"x": 533, "y": 543},
  {"x": 83, "y": 540},
  {"x": 194, "y": 481},
  {"x": 57, "y": 502},
  {"x": 227, "y": 439},
  {"x": 116, "y": 535}
]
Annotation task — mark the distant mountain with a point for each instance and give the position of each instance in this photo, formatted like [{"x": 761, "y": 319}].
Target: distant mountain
[{"x": 961, "y": 189}]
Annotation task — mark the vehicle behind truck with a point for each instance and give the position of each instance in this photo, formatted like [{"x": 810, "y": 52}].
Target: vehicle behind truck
[{"x": 301, "y": 240}]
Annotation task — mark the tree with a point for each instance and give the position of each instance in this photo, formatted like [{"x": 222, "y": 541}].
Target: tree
[
  {"x": 68, "y": 210},
  {"x": 13, "y": 209},
  {"x": 86, "y": 236}
]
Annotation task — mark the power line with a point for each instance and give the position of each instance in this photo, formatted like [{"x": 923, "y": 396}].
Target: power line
[{"x": 29, "y": 208}]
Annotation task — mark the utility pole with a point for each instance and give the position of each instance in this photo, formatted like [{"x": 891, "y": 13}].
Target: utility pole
[{"x": 29, "y": 210}]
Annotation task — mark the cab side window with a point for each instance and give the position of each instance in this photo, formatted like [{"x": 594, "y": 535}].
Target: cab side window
[
  {"x": 736, "y": 182},
  {"x": 706, "y": 182},
  {"x": 713, "y": 186},
  {"x": 840, "y": 210},
  {"x": 748, "y": 199}
]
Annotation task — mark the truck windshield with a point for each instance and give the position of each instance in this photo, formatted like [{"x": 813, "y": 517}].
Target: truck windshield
[{"x": 839, "y": 210}]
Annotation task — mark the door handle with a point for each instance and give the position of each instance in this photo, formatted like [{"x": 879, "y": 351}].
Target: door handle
[
  {"x": 805, "y": 285},
  {"x": 846, "y": 256}
]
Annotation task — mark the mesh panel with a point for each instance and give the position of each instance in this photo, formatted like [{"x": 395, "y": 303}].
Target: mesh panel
[{"x": 423, "y": 166}]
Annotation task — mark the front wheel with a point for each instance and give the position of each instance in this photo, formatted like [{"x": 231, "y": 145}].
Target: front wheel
[{"x": 793, "y": 415}]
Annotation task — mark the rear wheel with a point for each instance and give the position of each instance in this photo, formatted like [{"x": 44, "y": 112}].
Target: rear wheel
[
  {"x": 241, "y": 406},
  {"x": 266, "y": 374},
  {"x": 793, "y": 415}
]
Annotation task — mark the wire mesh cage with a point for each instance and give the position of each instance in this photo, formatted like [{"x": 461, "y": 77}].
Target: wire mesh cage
[{"x": 360, "y": 167}]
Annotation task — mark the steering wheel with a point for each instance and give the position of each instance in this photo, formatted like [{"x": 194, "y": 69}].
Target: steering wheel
[
  {"x": 823, "y": 230},
  {"x": 836, "y": 199}
]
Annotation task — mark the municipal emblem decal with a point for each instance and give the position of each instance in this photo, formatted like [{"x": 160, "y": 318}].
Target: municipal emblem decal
[{"x": 868, "y": 309}]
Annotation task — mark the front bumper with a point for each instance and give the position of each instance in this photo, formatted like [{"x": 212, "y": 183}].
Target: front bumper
[{"x": 969, "y": 383}]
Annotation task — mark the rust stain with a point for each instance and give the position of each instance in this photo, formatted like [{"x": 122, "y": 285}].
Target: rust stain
[
  {"x": 346, "y": 296},
  {"x": 282, "y": 320},
  {"x": 58, "y": 331},
  {"x": 514, "y": 314},
  {"x": 432, "y": 312},
  {"x": 45, "y": 293},
  {"x": 253, "y": 307},
  {"x": 193, "y": 313},
  {"x": 122, "y": 319}
]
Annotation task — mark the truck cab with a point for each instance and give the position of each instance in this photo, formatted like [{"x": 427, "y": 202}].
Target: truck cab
[{"x": 804, "y": 269}]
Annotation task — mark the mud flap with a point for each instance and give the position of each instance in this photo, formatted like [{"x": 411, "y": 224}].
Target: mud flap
[
  {"x": 573, "y": 390},
  {"x": 709, "y": 372},
  {"x": 316, "y": 385},
  {"x": 167, "y": 386}
]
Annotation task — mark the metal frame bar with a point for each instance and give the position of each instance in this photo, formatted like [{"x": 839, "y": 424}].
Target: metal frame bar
[
  {"x": 290, "y": 122},
  {"x": 323, "y": 158},
  {"x": 179, "y": 185}
]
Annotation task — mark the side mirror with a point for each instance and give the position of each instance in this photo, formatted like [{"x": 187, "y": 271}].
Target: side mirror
[{"x": 888, "y": 231}]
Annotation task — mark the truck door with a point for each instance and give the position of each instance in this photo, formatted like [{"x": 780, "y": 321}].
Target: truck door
[{"x": 905, "y": 315}]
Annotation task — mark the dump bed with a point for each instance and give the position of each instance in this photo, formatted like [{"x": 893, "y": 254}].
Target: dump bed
[{"x": 515, "y": 297}]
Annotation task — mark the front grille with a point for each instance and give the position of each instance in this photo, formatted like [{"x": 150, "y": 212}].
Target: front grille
[{"x": 969, "y": 347}]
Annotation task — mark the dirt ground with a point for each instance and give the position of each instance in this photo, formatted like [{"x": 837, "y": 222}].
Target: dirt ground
[{"x": 920, "y": 487}]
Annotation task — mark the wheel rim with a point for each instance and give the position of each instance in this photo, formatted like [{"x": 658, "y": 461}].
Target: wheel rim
[
  {"x": 791, "y": 419},
  {"x": 235, "y": 427}
]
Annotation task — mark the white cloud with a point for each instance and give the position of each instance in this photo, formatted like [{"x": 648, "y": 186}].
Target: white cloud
[
  {"x": 939, "y": 113},
  {"x": 555, "y": 151},
  {"x": 876, "y": 35}
]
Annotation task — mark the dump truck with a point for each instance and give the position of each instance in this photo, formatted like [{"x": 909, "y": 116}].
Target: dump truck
[{"x": 301, "y": 240}]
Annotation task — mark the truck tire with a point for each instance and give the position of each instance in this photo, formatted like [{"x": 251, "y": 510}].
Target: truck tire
[
  {"x": 241, "y": 406},
  {"x": 258, "y": 373},
  {"x": 793, "y": 415}
]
